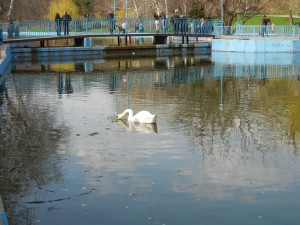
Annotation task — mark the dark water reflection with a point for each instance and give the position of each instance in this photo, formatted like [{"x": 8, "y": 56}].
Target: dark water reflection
[{"x": 225, "y": 149}]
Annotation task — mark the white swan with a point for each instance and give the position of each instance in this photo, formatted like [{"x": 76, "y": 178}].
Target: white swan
[{"x": 140, "y": 117}]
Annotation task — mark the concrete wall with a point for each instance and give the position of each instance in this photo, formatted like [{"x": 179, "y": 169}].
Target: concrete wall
[
  {"x": 100, "y": 52},
  {"x": 256, "y": 45},
  {"x": 253, "y": 58}
]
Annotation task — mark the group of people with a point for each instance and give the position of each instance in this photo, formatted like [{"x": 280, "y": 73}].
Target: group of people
[
  {"x": 63, "y": 22},
  {"x": 180, "y": 24}
]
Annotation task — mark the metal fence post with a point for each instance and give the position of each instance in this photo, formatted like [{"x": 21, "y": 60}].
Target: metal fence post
[{"x": 1, "y": 37}]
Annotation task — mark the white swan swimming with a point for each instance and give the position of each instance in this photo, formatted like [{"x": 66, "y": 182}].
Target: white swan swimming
[{"x": 140, "y": 117}]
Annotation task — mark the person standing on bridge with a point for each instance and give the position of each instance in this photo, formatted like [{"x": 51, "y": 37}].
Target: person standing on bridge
[
  {"x": 66, "y": 20},
  {"x": 58, "y": 20},
  {"x": 175, "y": 20},
  {"x": 163, "y": 18},
  {"x": 111, "y": 22},
  {"x": 11, "y": 28},
  {"x": 265, "y": 22}
]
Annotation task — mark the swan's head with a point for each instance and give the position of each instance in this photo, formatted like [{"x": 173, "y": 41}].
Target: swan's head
[
  {"x": 121, "y": 115},
  {"x": 118, "y": 117}
]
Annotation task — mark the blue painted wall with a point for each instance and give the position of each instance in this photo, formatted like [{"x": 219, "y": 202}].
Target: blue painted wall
[
  {"x": 256, "y": 45},
  {"x": 252, "y": 58}
]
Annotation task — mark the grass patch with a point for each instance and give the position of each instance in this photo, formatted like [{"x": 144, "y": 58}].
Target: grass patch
[{"x": 277, "y": 20}]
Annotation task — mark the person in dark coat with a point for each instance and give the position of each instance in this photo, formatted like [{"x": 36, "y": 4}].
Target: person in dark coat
[
  {"x": 58, "y": 20},
  {"x": 265, "y": 22},
  {"x": 175, "y": 20},
  {"x": 163, "y": 21},
  {"x": 111, "y": 22},
  {"x": 66, "y": 20},
  {"x": 183, "y": 24},
  {"x": 10, "y": 30}
]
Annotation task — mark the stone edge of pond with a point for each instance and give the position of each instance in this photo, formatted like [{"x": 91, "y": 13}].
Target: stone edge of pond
[
  {"x": 5, "y": 59},
  {"x": 3, "y": 218}
]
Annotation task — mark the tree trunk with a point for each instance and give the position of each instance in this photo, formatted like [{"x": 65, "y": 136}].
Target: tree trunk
[
  {"x": 156, "y": 3},
  {"x": 184, "y": 7},
  {"x": 229, "y": 20},
  {"x": 166, "y": 7},
  {"x": 10, "y": 8},
  {"x": 291, "y": 17},
  {"x": 137, "y": 12}
]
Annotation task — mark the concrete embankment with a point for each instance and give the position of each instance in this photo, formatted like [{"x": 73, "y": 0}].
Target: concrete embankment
[
  {"x": 257, "y": 45},
  {"x": 37, "y": 54},
  {"x": 5, "y": 59}
]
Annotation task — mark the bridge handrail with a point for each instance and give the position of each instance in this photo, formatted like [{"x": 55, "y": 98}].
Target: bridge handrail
[
  {"x": 247, "y": 31},
  {"x": 47, "y": 28},
  {"x": 44, "y": 28}
]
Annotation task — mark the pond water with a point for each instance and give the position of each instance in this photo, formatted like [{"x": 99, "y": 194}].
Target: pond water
[{"x": 225, "y": 149}]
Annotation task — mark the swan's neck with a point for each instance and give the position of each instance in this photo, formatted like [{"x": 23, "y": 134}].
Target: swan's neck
[{"x": 130, "y": 114}]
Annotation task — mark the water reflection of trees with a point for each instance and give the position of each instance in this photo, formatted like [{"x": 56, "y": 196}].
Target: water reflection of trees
[
  {"x": 241, "y": 85},
  {"x": 242, "y": 97},
  {"x": 249, "y": 125},
  {"x": 29, "y": 141}
]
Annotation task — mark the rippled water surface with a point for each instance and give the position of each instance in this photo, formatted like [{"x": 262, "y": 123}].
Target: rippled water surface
[{"x": 225, "y": 149}]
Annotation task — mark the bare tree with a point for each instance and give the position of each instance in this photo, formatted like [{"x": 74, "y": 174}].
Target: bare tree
[
  {"x": 157, "y": 6},
  {"x": 244, "y": 9},
  {"x": 166, "y": 7}
]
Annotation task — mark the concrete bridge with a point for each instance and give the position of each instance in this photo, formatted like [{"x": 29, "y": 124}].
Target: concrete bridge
[{"x": 81, "y": 40}]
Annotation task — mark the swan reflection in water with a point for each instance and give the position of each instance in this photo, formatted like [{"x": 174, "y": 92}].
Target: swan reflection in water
[{"x": 140, "y": 127}]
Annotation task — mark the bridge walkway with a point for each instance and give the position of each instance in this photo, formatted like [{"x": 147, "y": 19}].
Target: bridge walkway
[{"x": 79, "y": 38}]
